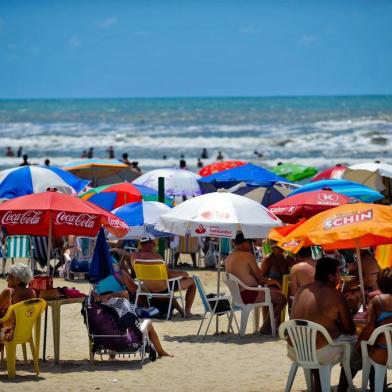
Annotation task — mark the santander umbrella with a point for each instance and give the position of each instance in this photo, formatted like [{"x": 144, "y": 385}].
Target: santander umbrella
[
  {"x": 333, "y": 173},
  {"x": 102, "y": 171},
  {"x": 178, "y": 182},
  {"x": 293, "y": 171},
  {"x": 217, "y": 167},
  {"x": 25, "y": 180},
  {"x": 53, "y": 213},
  {"x": 305, "y": 205},
  {"x": 113, "y": 196},
  {"x": 345, "y": 187},
  {"x": 345, "y": 227},
  {"x": 141, "y": 217}
]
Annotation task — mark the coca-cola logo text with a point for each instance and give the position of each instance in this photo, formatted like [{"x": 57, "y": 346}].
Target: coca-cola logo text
[
  {"x": 88, "y": 221},
  {"x": 22, "y": 218}
]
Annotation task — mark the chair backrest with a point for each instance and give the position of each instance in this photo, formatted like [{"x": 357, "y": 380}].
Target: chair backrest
[
  {"x": 26, "y": 314},
  {"x": 18, "y": 246},
  {"x": 302, "y": 335},
  {"x": 385, "y": 330},
  {"x": 233, "y": 283},
  {"x": 188, "y": 244},
  {"x": 150, "y": 269},
  {"x": 203, "y": 296}
]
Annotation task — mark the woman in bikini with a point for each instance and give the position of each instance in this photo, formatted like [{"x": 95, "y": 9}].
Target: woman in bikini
[{"x": 19, "y": 276}]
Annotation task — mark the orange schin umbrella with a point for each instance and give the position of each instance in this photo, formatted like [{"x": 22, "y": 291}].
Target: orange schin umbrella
[{"x": 348, "y": 226}]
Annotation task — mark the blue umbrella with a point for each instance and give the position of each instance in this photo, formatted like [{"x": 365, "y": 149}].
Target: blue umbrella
[
  {"x": 345, "y": 187},
  {"x": 25, "y": 180},
  {"x": 101, "y": 265},
  {"x": 250, "y": 174},
  {"x": 264, "y": 195}
]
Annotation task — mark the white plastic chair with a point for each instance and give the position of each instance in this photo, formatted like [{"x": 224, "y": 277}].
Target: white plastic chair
[
  {"x": 367, "y": 362},
  {"x": 234, "y": 284},
  {"x": 302, "y": 334},
  {"x": 212, "y": 311}
]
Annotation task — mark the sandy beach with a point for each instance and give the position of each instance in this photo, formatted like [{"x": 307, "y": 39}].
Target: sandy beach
[{"x": 224, "y": 362}]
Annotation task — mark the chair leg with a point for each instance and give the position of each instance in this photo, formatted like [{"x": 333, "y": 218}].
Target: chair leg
[
  {"x": 236, "y": 323},
  {"x": 24, "y": 352},
  {"x": 290, "y": 378},
  {"x": 365, "y": 374},
  {"x": 379, "y": 377},
  {"x": 35, "y": 356},
  {"x": 170, "y": 303},
  {"x": 325, "y": 378},
  {"x": 256, "y": 319},
  {"x": 347, "y": 371},
  {"x": 272, "y": 317},
  {"x": 208, "y": 325},
  {"x": 201, "y": 324},
  {"x": 308, "y": 379},
  {"x": 10, "y": 351},
  {"x": 244, "y": 320}
]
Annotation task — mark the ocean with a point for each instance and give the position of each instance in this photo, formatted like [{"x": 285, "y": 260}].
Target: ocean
[{"x": 319, "y": 131}]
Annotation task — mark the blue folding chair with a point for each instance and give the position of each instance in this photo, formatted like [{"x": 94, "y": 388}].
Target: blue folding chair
[{"x": 17, "y": 247}]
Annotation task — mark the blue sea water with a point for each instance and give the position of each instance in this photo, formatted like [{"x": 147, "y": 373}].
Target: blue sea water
[{"x": 320, "y": 131}]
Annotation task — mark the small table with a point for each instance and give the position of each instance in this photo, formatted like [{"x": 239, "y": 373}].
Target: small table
[{"x": 56, "y": 317}]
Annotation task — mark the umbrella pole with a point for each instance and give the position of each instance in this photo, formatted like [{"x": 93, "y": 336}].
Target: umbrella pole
[
  {"x": 218, "y": 282},
  {"x": 49, "y": 244},
  {"x": 361, "y": 276}
]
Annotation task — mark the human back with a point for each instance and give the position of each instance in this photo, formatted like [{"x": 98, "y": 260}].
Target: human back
[{"x": 239, "y": 263}]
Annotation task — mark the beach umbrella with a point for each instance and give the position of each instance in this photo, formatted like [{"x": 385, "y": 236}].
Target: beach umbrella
[
  {"x": 293, "y": 171},
  {"x": 102, "y": 171},
  {"x": 178, "y": 182},
  {"x": 149, "y": 194},
  {"x": 265, "y": 195},
  {"x": 278, "y": 233},
  {"x": 377, "y": 176},
  {"x": 101, "y": 265},
  {"x": 110, "y": 197},
  {"x": 348, "y": 226},
  {"x": 345, "y": 187},
  {"x": 25, "y": 180},
  {"x": 141, "y": 217},
  {"x": 217, "y": 167},
  {"x": 56, "y": 214},
  {"x": 333, "y": 173},
  {"x": 250, "y": 174},
  {"x": 305, "y": 205}
]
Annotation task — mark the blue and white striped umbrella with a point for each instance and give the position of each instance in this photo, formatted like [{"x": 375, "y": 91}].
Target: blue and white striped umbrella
[{"x": 25, "y": 180}]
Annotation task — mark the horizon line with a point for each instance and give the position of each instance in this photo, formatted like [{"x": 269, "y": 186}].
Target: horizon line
[{"x": 202, "y": 96}]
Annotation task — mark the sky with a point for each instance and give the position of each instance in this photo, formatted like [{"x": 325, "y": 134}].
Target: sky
[{"x": 147, "y": 48}]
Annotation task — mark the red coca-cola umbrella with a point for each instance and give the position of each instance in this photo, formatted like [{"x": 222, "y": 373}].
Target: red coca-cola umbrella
[
  {"x": 56, "y": 214},
  {"x": 333, "y": 173},
  {"x": 307, "y": 204}
]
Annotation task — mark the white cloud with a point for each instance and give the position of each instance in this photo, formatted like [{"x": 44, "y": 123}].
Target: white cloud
[
  {"x": 104, "y": 24},
  {"x": 308, "y": 39},
  {"x": 250, "y": 30},
  {"x": 75, "y": 42}
]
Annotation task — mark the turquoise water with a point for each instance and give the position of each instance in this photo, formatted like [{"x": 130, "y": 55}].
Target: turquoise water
[{"x": 309, "y": 130}]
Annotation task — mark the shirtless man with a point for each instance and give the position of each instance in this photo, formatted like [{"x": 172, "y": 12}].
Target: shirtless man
[
  {"x": 302, "y": 273},
  {"x": 242, "y": 264},
  {"x": 147, "y": 252},
  {"x": 321, "y": 303}
]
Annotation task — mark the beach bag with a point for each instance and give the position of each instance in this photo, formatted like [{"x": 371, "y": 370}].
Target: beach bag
[
  {"x": 162, "y": 305},
  {"x": 223, "y": 304},
  {"x": 211, "y": 257},
  {"x": 101, "y": 321},
  {"x": 41, "y": 283}
]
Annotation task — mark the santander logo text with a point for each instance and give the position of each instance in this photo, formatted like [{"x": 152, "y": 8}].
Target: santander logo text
[
  {"x": 22, "y": 218},
  {"x": 81, "y": 220}
]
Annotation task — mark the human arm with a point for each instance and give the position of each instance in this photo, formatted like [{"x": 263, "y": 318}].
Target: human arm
[
  {"x": 371, "y": 320},
  {"x": 105, "y": 297},
  {"x": 294, "y": 286}
]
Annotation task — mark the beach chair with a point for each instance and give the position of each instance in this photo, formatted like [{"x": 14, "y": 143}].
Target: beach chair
[
  {"x": 210, "y": 305},
  {"x": 146, "y": 270},
  {"x": 17, "y": 247},
  {"x": 302, "y": 335},
  {"x": 379, "y": 370},
  {"x": 234, "y": 284},
  {"x": 40, "y": 251},
  {"x": 27, "y": 315},
  {"x": 78, "y": 260},
  {"x": 105, "y": 337},
  {"x": 188, "y": 245}
]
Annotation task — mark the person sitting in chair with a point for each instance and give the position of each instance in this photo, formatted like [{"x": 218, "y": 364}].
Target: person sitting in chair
[{"x": 147, "y": 252}]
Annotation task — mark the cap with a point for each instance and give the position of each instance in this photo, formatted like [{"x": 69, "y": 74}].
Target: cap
[
  {"x": 239, "y": 238},
  {"x": 144, "y": 240}
]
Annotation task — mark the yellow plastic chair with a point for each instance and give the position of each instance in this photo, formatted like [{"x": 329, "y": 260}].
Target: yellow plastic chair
[
  {"x": 27, "y": 315},
  {"x": 285, "y": 292},
  {"x": 148, "y": 270}
]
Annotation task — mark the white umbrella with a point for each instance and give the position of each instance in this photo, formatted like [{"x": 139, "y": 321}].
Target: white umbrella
[
  {"x": 178, "y": 182},
  {"x": 219, "y": 214}
]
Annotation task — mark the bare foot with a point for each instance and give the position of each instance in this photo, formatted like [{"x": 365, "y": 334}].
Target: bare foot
[
  {"x": 188, "y": 314},
  {"x": 165, "y": 354}
]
